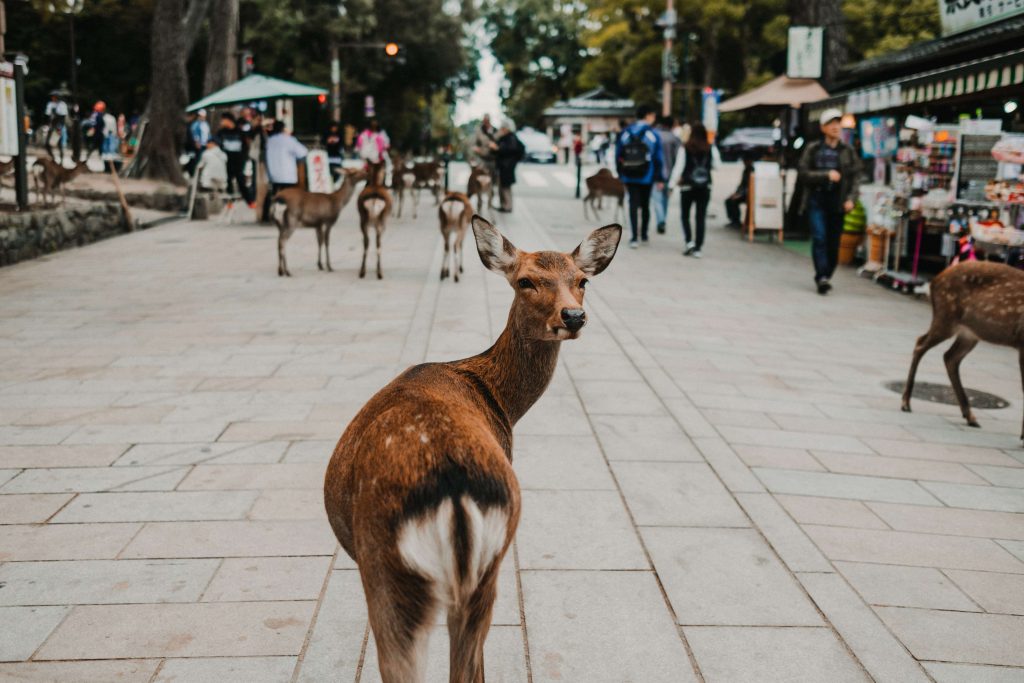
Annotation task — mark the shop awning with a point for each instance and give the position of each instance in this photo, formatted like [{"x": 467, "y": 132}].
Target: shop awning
[
  {"x": 977, "y": 78},
  {"x": 256, "y": 87},
  {"x": 780, "y": 92}
]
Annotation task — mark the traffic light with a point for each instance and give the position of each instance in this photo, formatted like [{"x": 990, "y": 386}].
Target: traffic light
[
  {"x": 321, "y": 98},
  {"x": 392, "y": 49},
  {"x": 246, "y": 63}
]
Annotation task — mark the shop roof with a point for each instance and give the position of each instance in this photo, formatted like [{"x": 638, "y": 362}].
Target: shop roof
[
  {"x": 597, "y": 102},
  {"x": 256, "y": 87},
  {"x": 779, "y": 92}
]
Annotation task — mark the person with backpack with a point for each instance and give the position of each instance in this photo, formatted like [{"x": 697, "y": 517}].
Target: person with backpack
[
  {"x": 692, "y": 172},
  {"x": 639, "y": 162},
  {"x": 670, "y": 145},
  {"x": 372, "y": 146},
  {"x": 235, "y": 145},
  {"x": 829, "y": 170}
]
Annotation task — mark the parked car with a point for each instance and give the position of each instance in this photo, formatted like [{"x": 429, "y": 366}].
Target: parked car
[
  {"x": 743, "y": 141},
  {"x": 539, "y": 146}
]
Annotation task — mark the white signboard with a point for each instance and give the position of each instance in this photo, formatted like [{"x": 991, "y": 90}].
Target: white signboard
[
  {"x": 318, "y": 172},
  {"x": 768, "y": 207},
  {"x": 8, "y": 111},
  {"x": 803, "y": 57},
  {"x": 963, "y": 15}
]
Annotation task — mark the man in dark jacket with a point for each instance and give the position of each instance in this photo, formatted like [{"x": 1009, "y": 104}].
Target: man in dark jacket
[
  {"x": 509, "y": 153},
  {"x": 235, "y": 144},
  {"x": 830, "y": 174},
  {"x": 639, "y": 162}
]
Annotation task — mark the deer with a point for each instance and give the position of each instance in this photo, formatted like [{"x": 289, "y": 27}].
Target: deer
[
  {"x": 974, "y": 300},
  {"x": 295, "y": 207},
  {"x": 603, "y": 184},
  {"x": 428, "y": 177},
  {"x": 403, "y": 179},
  {"x": 374, "y": 205},
  {"x": 48, "y": 175},
  {"x": 454, "y": 213},
  {"x": 481, "y": 185},
  {"x": 420, "y": 489}
]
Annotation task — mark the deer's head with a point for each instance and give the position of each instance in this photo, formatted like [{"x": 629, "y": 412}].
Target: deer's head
[{"x": 549, "y": 285}]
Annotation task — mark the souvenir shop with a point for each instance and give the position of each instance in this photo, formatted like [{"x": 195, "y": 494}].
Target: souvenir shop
[{"x": 943, "y": 150}]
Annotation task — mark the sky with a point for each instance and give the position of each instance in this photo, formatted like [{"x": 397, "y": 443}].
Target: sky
[{"x": 485, "y": 98}]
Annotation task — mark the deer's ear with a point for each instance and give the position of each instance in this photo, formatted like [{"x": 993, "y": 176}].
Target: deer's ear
[
  {"x": 496, "y": 252},
  {"x": 595, "y": 253}
]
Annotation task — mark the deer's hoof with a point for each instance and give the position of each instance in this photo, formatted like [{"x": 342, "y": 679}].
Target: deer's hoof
[
  {"x": 319, "y": 267},
  {"x": 905, "y": 407},
  {"x": 972, "y": 422},
  {"x": 380, "y": 276}
]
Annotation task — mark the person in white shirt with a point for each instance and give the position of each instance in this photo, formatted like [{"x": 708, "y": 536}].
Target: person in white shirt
[
  {"x": 213, "y": 168},
  {"x": 283, "y": 154},
  {"x": 56, "y": 115}
]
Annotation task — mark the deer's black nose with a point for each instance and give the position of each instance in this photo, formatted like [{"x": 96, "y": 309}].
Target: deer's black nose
[{"x": 574, "y": 318}]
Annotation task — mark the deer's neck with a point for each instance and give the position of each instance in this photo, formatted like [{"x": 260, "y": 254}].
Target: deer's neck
[{"x": 516, "y": 370}]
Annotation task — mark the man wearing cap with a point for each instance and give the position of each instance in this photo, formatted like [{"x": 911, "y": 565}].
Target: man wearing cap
[{"x": 830, "y": 173}]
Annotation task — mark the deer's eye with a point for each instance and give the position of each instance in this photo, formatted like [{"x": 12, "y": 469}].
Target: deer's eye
[
  {"x": 583, "y": 283},
  {"x": 524, "y": 283}
]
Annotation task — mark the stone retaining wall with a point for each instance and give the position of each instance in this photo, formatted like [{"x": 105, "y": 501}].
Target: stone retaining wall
[{"x": 28, "y": 235}]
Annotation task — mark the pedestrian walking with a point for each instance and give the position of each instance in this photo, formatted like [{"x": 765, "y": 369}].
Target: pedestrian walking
[
  {"x": 110, "y": 139},
  {"x": 236, "y": 147},
  {"x": 56, "y": 114},
  {"x": 94, "y": 133},
  {"x": 509, "y": 153},
  {"x": 638, "y": 160},
  {"x": 692, "y": 172},
  {"x": 333, "y": 144},
  {"x": 670, "y": 145},
  {"x": 830, "y": 173},
  {"x": 283, "y": 155},
  {"x": 372, "y": 146},
  {"x": 485, "y": 144}
]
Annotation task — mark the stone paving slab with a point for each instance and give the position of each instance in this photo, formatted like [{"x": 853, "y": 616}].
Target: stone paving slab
[{"x": 718, "y": 450}]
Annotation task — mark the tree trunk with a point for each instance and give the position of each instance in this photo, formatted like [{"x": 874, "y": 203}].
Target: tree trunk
[
  {"x": 827, "y": 13},
  {"x": 174, "y": 33},
  {"x": 221, "y": 64}
]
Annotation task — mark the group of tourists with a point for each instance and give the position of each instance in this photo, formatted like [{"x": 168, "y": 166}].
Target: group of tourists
[
  {"x": 499, "y": 151},
  {"x": 102, "y": 132},
  {"x": 651, "y": 160}
]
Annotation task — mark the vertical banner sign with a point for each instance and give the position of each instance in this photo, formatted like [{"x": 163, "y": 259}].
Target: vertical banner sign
[
  {"x": 963, "y": 15},
  {"x": 710, "y": 99},
  {"x": 368, "y": 109},
  {"x": 8, "y": 111},
  {"x": 804, "y": 52},
  {"x": 318, "y": 172}
]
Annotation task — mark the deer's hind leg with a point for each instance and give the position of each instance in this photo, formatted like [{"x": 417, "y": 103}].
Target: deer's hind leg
[
  {"x": 366, "y": 248},
  {"x": 380, "y": 231},
  {"x": 953, "y": 357},
  {"x": 445, "y": 234},
  {"x": 327, "y": 245},
  {"x": 935, "y": 335},
  {"x": 319, "y": 245},
  {"x": 401, "y": 615},
  {"x": 284, "y": 231},
  {"x": 468, "y": 625}
]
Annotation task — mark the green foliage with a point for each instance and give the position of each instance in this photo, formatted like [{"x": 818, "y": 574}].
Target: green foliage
[{"x": 876, "y": 26}]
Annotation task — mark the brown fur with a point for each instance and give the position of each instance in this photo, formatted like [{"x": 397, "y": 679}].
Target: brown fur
[
  {"x": 443, "y": 432},
  {"x": 453, "y": 229},
  {"x": 975, "y": 300},
  {"x": 313, "y": 210},
  {"x": 48, "y": 175},
  {"x": 428, "y": 177},
  {"x": 481, "y": 184},
  {"x": 367, "y": 220},
  {"x": 603, "y": 184},
  {"x": 402, "y": 181}
]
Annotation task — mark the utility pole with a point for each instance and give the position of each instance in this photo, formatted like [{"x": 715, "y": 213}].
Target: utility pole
[
  {"x": 335, "y": 83},
  {"x": 668, "y": 24},
  {"x": 3, "y": 28}
]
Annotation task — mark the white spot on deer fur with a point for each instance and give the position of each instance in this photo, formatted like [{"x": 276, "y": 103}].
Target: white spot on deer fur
[
  {"x": 424, "y": 438},
  {"x": 426, "y": 546},
  {"x": 387, "y": 441}
]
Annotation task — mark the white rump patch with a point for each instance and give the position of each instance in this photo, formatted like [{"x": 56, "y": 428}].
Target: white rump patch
[
  {"x": 374, "y": 207},
  {"x": 453, "y": 210},
  {"x": 426, "y": 545}
]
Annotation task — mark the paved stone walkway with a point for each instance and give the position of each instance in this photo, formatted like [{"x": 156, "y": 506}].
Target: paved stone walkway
[{"x": 717, "y": 486}]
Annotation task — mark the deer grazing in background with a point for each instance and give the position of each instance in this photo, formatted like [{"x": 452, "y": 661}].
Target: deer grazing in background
[
  {"x": 48, "y": 175},
  {"x": 481, "y": 185},
  {"x": 975, "y": 300},
  {"x": 402, "y": 182},
  {"x": 420, "y": 490},
  {"x": 294, "y": 207},
  {"x": 603, "y": 184},
  {"x": 374, "y": 205},
  {"x": 454, "y": 213}
]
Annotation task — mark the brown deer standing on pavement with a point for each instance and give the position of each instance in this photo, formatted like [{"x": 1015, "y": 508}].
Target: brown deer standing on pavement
[
  {"x": 454, "y": 213},
  {"x": 294, "y": 207},
  {"x": 481, "y": 184},
  {"x": 374, "y": 205},
  {"x": 48, "y": 175},
  {"x": 402, "y": 181},
  {"x": 603, "y": 184},
  {"x": 975, "y": 300},
  {"x": 420, "y": 490}
]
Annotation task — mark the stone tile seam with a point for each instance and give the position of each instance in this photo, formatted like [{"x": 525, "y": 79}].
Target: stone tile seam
[{"x": 316, "y": 611}]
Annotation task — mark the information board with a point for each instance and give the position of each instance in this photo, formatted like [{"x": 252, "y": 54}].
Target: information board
[{"x": 8, "y": 111}]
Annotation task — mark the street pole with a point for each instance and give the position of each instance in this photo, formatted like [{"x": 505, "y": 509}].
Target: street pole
[
  {"x": 335, "y": 83},
  {"x": 666, "y": 70},
  {"x": 76, "y": 119},
  {"x": 3, "y": 27},
  {"x": 21, "y": 165}
]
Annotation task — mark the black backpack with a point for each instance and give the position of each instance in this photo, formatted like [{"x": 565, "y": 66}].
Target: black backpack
[
  {"x": 700, "y": 173},
  {"x": 634, "y": 157}
]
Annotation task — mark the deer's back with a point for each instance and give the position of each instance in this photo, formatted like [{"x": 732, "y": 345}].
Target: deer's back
[
  {"x": 309, "y": 208},
  {"x": 985, "y": 298}
]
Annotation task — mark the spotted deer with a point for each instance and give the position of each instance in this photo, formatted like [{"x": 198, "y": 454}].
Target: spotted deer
[
  {"x": 975, "y": 300},
  {"x": 420, "y": 490},
  {"x": 481, "y": 185},
  {"x": 48, "y": 175},
  {"x": 294, "y": 207},
  {"x": 374, "y": 205},
  {"x": 454, "y": 213},
  {"x": 603, "y": 184}
]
